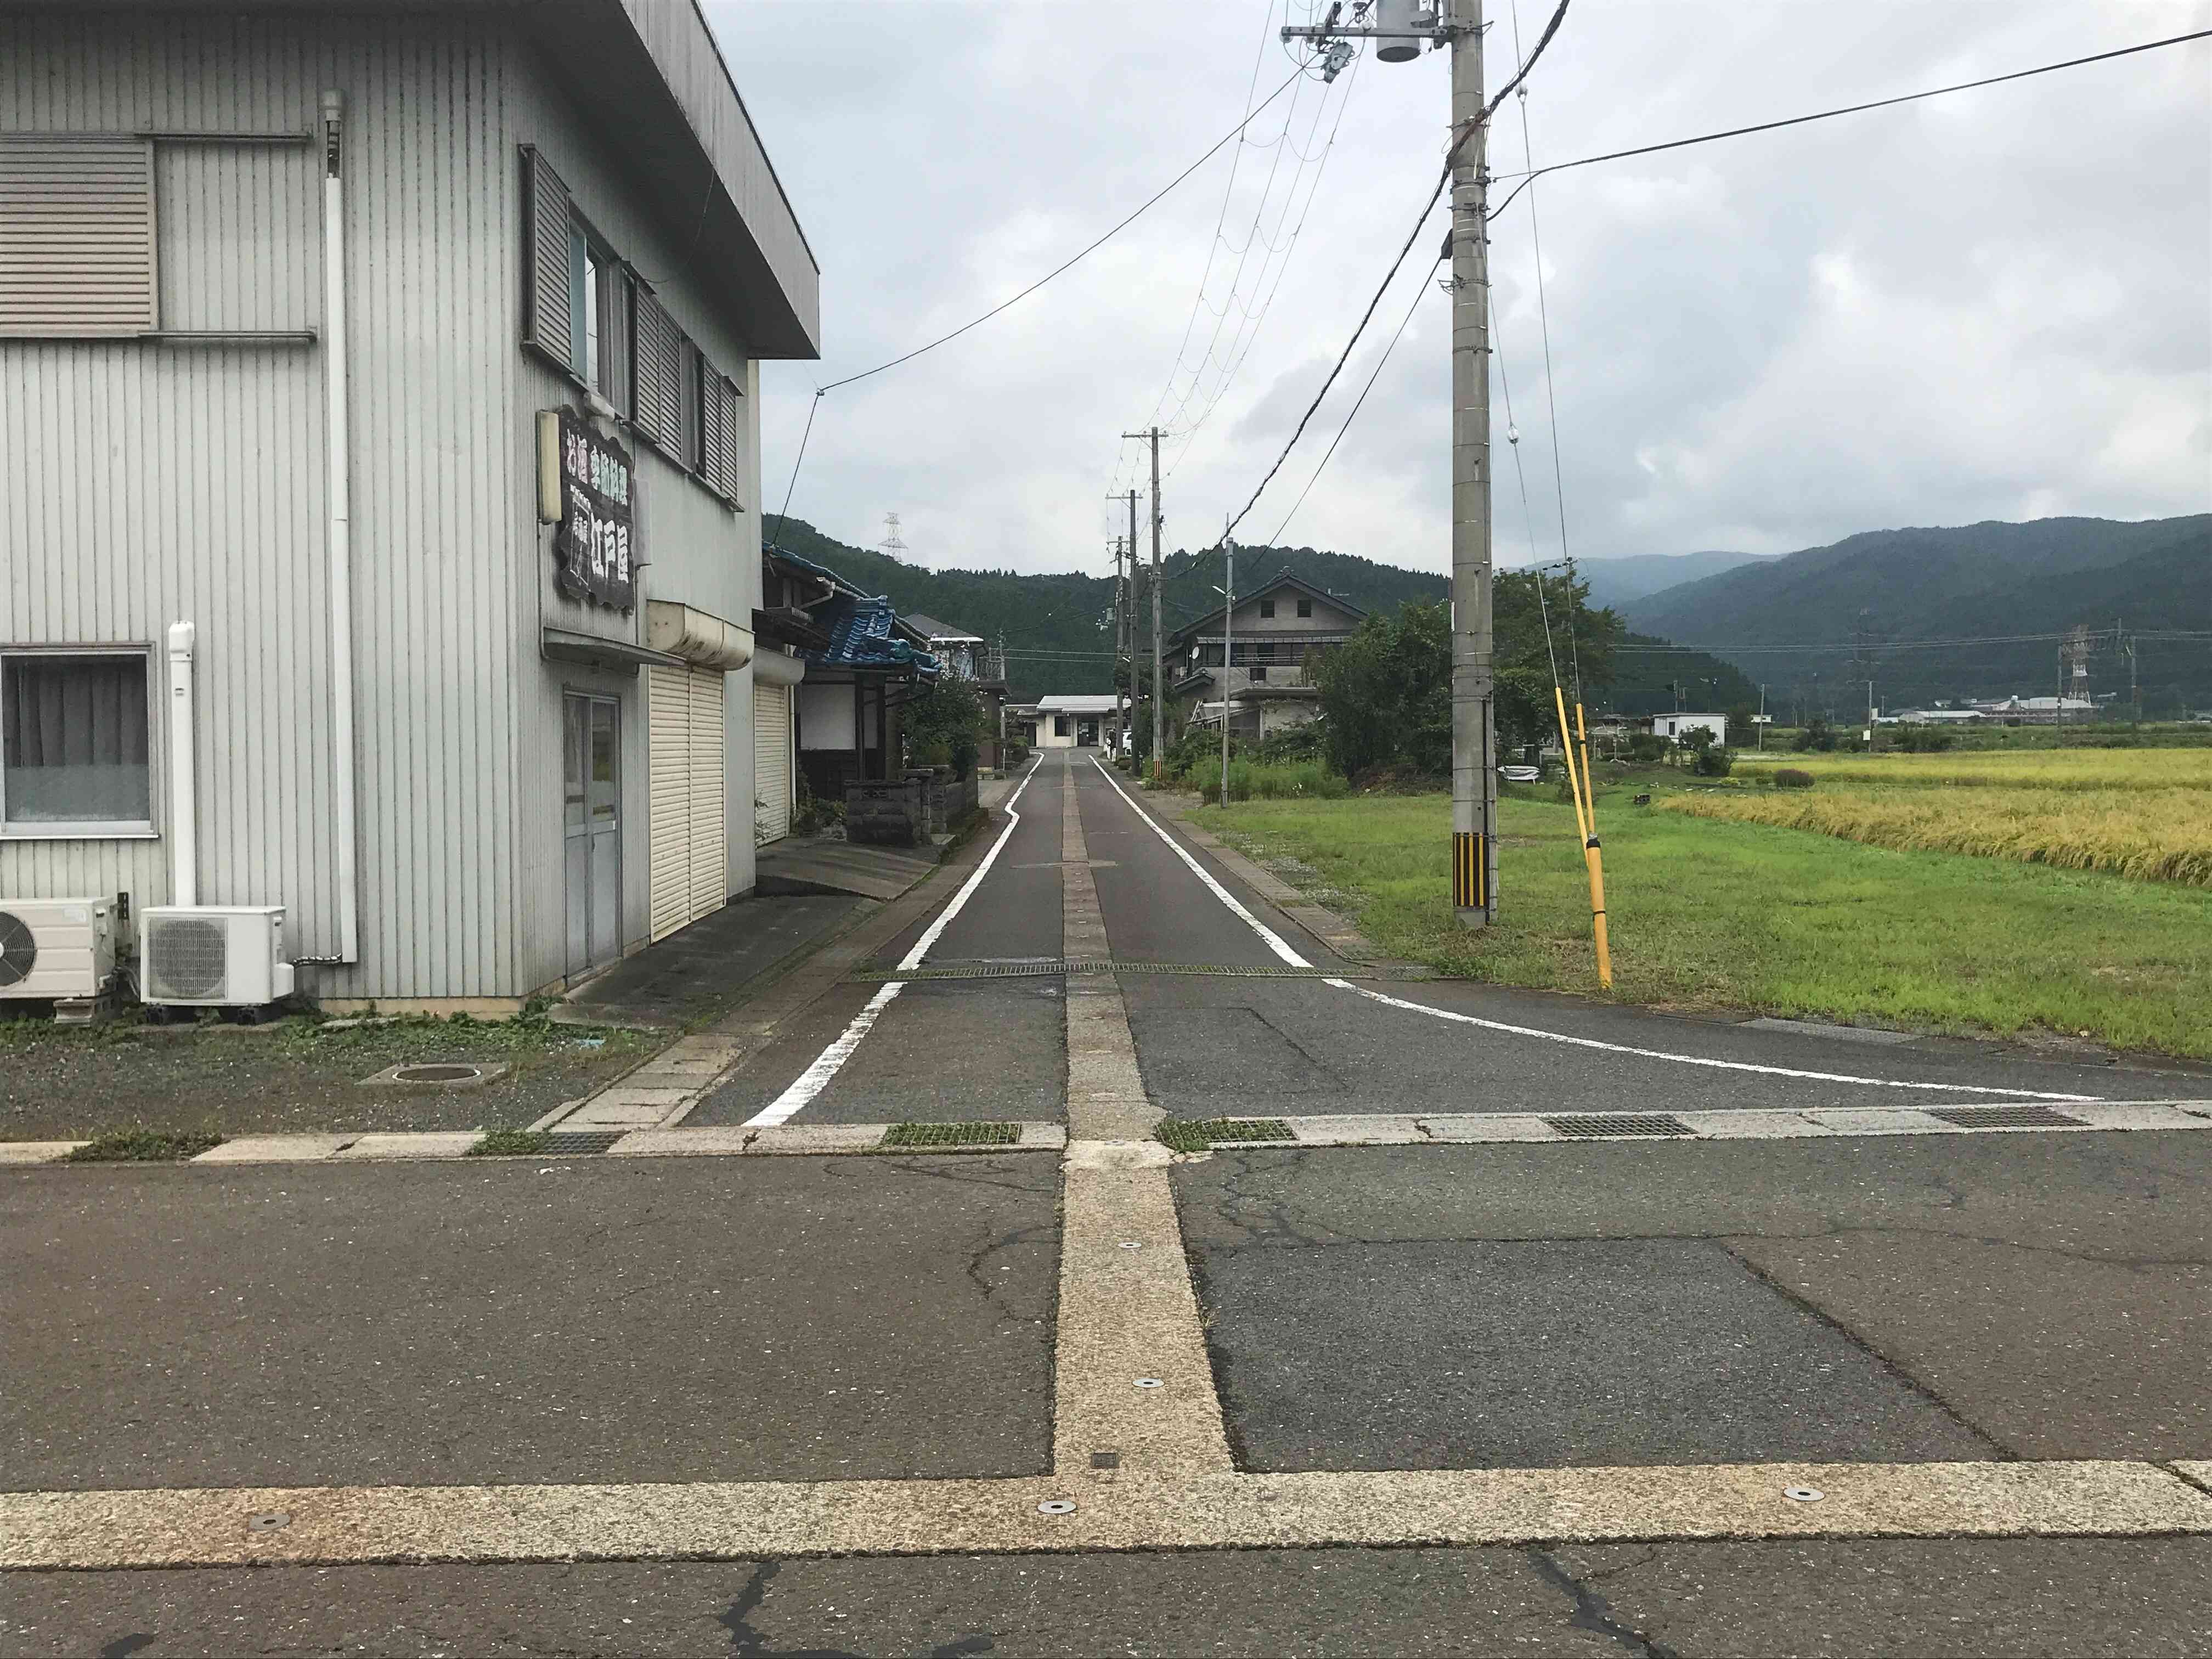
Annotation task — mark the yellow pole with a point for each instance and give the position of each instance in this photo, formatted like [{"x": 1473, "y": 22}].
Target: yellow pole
[{"x": 1586, "y": 820}]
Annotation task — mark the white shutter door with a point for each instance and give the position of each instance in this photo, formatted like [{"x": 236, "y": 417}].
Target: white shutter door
[
  {"x": 668, "y": 701},
  {"x": 76, "y": 235},
  {"x": 710, "y": 822},
  {"x": 771, "y": 761}
]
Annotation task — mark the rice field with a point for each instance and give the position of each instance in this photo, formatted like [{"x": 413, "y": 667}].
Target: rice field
[{"x": 2143, "y": 813}]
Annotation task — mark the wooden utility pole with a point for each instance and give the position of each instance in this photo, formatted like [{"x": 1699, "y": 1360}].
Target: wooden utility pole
[
  {"x": 1129, "y": 619},
  {"x": 1160, "y": 695},
  {"x": 1120, "y": 622}
]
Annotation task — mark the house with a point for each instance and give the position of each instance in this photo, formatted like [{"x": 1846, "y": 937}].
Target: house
[
  {"x": 378, "y": 395},
  {"x": 1676, "y": 728},
  {"x": 1073, "y": 722},
  {"x": 861, "y": 661},
  {"x": 1278, "y": 633}
]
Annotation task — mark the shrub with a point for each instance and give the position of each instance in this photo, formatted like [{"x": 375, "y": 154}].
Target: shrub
[
  {"x": 1713, "y": 762},
  {"x": 1817, "y": 735},
  {"x": 1789, "y": 777},
  {"x": 1646, "y": 747}
]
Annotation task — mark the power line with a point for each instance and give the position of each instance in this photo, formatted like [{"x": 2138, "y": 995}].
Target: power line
[
  {"x": 1444, "y": 177},
  {"x": 1533, "y": 173}
]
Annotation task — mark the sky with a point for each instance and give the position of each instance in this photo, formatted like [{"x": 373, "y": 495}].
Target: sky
[{"x": 1988, "y": 306}]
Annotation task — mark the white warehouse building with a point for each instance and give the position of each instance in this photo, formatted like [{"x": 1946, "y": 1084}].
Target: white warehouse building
[{"x": 379, "y": 530}]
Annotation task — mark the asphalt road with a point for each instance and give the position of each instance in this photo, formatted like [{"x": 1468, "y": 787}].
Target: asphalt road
[{"x": 1979, "y": 1298}]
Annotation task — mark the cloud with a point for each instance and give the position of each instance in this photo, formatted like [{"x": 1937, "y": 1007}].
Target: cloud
[{"x": 1985, "y": 305}]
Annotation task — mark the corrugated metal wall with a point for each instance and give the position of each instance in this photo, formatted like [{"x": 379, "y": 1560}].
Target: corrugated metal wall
[{"x": 143, "y": 483}]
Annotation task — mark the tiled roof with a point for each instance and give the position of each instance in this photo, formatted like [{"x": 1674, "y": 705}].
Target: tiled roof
[{"x": 862, "y": 636}]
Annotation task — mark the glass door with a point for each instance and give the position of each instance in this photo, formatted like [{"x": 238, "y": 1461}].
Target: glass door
[{"x": 591, "y": 828}]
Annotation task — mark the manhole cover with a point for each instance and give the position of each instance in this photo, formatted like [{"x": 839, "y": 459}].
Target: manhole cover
[
  {"x": 1607, "y": 1126},
  {"x": 2006, "y": 1117},
  {"x": 437, "y": 1074}
]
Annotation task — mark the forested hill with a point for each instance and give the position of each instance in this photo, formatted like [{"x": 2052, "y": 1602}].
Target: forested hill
[
  {"x": 1057, "y": 626},
  {"x": 1874, "y": 595}
]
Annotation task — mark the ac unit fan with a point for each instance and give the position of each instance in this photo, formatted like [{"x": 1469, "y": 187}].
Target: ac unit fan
[{"x": 19, "y": 949}]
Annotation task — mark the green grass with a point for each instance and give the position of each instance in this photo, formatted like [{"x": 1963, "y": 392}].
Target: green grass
[
  {"x": 1194, "y": 1136},
  {"x": 145, "y": 1147},
  {"x": 509, "y": 1143},
  {"x": 1708, "y": 915}
]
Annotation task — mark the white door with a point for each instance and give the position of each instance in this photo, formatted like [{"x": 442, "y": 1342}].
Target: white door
[
  {"x": 771, "y": 761},
  {"x": 686, "y": 763}
]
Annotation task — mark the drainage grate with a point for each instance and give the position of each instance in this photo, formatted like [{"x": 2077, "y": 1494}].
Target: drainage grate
[
  {"x": 1186, "y": 1135},
  {"x": 1036, "y": 969},
  {"x": 580, "y": 1143},
  {"x": 952, "y": 1134},
  {"x": 1605, "y": 1126},
  {"x": 2006, "y": 1117}
]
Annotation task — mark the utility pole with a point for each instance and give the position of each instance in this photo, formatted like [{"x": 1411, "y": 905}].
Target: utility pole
[
  {"x": 1129, "y": 625},
  {"x": 1160, "y": 695},
  {"x": 1400, "y": 28},
  {"x": 1120, "y": 622},
  {"x": 1228, "y": 652}
]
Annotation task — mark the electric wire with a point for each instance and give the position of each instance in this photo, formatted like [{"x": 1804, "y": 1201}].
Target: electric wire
[{"x": 1829, "y": 114}]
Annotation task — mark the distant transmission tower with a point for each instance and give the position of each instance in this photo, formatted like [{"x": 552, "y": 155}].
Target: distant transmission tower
[{"x": 892, "y": 543}]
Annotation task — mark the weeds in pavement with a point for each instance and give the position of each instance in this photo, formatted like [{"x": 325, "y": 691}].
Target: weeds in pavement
[{"x": 145, "y": 1147}]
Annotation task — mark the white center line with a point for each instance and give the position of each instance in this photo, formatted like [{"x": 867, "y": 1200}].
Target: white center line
[
  {"x": 816, "y": 1078},
  {"x": 1275, "y": 942}
]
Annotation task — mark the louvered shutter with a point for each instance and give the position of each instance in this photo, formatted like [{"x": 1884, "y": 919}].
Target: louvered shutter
[
  {"x": 659, "y": 371},
  {"x": 548, "y": 323},
  {"x": 694, "y": 419},
  {"x": 618, "y": 341},
  {"x": 771, "y": 761},
  {"x": 76, "y": 235},
  {"x": 722, "y": 442}
]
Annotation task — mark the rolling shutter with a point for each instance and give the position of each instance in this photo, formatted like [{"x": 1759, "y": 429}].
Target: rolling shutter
[
  {"x": 76, "y": 235},
  {"x": 771, "y": 761},
  {"x": 710, "y": 810},
  {"x": 669, "y": 806},
  {"x": 688, "y": 831},
  {"x": 547, "y": 322},
  {"x": 659, "y": 371}
]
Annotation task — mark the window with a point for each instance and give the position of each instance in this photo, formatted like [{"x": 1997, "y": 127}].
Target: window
[
  {"x": 1267, "y": 609},
  {"x": 1060, "y": 726},
  {"x": 73, "y": 744},
  {"x": 77, "y": 220},
  {"x": 1305, "y": 607}
]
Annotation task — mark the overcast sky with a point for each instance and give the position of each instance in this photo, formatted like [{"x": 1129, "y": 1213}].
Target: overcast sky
[{"x": 1988, "y": 306}]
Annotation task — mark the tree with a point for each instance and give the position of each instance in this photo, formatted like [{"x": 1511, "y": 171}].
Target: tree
[
  {"x": 1386, "y": 693},
  {"x": 944, "y": 725}
]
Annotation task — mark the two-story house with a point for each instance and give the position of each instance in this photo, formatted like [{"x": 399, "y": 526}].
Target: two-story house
[
  {"x": 379, "y": 486},
  {"x": 1275, "y": 638}
]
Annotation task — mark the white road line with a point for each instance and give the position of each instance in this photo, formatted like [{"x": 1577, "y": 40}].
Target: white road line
[
  {"x": 1275, "y": 942},
  {"x": 816, "y": 1078}
]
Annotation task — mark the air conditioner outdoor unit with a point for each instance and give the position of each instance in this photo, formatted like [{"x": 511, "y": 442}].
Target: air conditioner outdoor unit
[
  {"x": 206, "y": 956},
  {"x": 55, "y": 949}
]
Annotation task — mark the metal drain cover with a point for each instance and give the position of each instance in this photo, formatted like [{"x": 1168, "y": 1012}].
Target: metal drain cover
[
  {"x": 1606, "y": 1126},
  {"x": 578, "y": 1143},
  {"x": 2006, "y": 1117},
  {"x": 952, "y": 1134}
]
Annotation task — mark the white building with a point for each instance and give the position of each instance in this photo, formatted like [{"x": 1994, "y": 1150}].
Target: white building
[
  {"x": 1676, "y": 727},
  {"x": 407, "y": 354},
  {"x": 1072, "y": 722}
]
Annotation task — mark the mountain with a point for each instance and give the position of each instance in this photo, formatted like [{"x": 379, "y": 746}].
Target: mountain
[
  {"x": 1863, "y": 607},
  {"x": 1616, "y": 583},
  {"x": 1057, "y": 627}
]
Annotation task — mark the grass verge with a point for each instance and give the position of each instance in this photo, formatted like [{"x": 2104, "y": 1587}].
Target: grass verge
[
  {"x": 1712, "y": 915},
  {"x": 145, "y": 1147}
]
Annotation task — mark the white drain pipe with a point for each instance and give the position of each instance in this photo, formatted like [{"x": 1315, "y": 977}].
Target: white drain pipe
[
  {"x": 338, "y": 462},
  {"x": 184, "y": 789}
]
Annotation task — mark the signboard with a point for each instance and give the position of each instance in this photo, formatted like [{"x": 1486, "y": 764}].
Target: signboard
[
  {"x": 1762, "y": 719},
  {"x": 585, "y": 485}
]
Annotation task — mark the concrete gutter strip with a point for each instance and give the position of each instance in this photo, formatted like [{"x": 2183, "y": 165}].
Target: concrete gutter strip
[{"x": 719, "y": 1521}]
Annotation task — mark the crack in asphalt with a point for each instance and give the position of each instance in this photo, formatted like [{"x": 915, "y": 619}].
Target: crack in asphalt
[{"x": 1593, "y": 1613}]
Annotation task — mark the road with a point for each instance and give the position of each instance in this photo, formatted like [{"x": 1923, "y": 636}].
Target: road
[{"x": 1829, "y": 1376}]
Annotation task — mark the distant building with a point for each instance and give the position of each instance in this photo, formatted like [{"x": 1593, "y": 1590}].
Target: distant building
[
  {"x": 1932, "y": 717},
  {"x": 2037, "y": 711},
  {"x": 1676, "y": 727},
  {"x": 1279, "y": 635},
  {"x": 1072, "y": 722}
]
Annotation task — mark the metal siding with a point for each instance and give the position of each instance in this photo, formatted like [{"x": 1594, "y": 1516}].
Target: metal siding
[
  {"x": 76, "y": 235},
  {"x": 222, "y": 207},
  {"x": 143, "y": 483}
]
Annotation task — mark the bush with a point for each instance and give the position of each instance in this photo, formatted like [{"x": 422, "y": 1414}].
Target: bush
[
  {"x": 1713, "y": 762},
  {"x": 1817, "y": 735},
  {"x": 1924, "y": 739},
  {"x": 1250, "y": 779},
  {"x": 1646, "y": 747},
  {"x": 1789, "y": 777}
]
